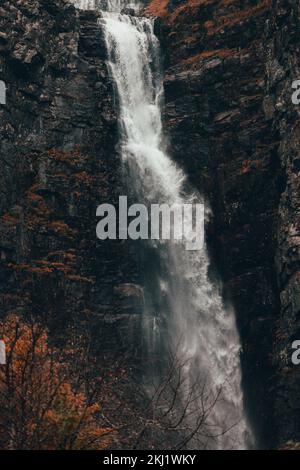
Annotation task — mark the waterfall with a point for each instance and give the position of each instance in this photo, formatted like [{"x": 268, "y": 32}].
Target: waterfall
[
  {"x": 182, "y": 300},
  {"x": 107, "y": 5}
]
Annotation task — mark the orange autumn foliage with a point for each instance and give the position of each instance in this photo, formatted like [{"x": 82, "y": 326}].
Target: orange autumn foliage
[{"x": 40, "y": 408}]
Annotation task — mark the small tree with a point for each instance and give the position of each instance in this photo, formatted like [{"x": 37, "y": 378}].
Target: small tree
[
  {"x": 167, "y": 412},
  {"x": 43, "y": 406}
]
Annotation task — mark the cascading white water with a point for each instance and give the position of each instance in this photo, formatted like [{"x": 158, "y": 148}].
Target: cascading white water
[
  {"x": 107, "y": 5},
  {"x": 191, "y": 303}
]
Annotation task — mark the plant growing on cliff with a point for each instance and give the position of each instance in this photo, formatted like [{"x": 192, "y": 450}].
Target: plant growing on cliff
[{"x": 44, "y": 405}]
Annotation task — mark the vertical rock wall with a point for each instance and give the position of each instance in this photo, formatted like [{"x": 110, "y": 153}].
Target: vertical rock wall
[
  {"x": 59, "y": 161},
  {"x": 229, "y": 67}
]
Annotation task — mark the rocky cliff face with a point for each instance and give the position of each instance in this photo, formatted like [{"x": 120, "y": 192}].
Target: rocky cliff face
[
  {"x": 59, "y": 161},
  {"x": 229, "y": 65},
  {"x": 229, "y": 68},
  {"x": 283, "y": 52}
]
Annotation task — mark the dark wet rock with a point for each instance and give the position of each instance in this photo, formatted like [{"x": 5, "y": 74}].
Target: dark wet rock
[
  {"x": 59, "y": 161},
  {"x": 128, "y": 11}
]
